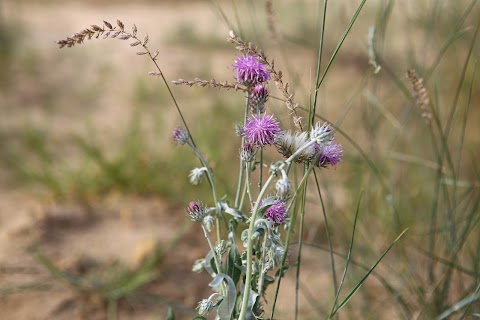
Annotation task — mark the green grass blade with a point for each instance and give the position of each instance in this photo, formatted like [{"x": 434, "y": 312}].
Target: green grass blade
[
  {"x": 349, "y": 256},
  {"x": 339, "y": 45},
  {"x": 357, "y": 287}
]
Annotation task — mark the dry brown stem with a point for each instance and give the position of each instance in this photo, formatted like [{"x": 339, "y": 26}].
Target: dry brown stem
[{"x": 212, "y": 83}]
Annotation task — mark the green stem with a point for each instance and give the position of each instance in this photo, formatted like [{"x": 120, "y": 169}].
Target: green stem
[
  {"x": 242, "y": 163},
  {"x": 248, "y": 276},
  {"x": 300, "y": 242},
  {"x": 287, "y": 240},
  {"x": 209, "y": 240},
  {"x": 212, "y": 185}
]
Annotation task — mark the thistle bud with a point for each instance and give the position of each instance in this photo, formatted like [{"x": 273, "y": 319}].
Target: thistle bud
[
  {"x": 204, "y": 306},
  {"x": 208, "y": 221},
  {"x": 321, "y": 133},
  {"x": 258, "y": 96},
  {"x": 180, "y": 136},
  {"x": 196, "y": 211},
  {"x": 284, "y": 188},
  {"x": 247, "y": 153}
]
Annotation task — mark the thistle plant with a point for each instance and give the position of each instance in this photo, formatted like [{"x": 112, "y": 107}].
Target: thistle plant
[
  {"x": 248, "y": 247},
  {"x": 242, "y": 273}
]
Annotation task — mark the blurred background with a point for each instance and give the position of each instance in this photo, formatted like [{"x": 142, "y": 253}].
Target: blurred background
[{"x": 92, "y": 191}]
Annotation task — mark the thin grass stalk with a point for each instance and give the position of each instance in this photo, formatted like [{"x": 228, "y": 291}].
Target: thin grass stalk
[
  {"x": 334, "y": 54},
  {"x": 453, "y": 108},
  {"x": 327, "y": 233},
  {"x": 363, "y": 154},
  {"x": 465, "y": 118},
  {"x": 237, "y": 18},
  {"x": 389, "y": 287},
  {"x": 300, "y": 241},
  {"x": 359, "y": 284},
  {"x": 319, "y": 64},
  {"x": 456, "y": 34},
  {"x": 214, "y": 191},
  {"x": 349, "y": 255},
  {"x": 429, "y": 27},
  {"x": 288, "y": 239},
  {"x": 446, "y": 286}
]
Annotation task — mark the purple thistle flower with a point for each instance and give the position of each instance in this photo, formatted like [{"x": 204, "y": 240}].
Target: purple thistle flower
[
  {"x": 330, "y": 154},
  {"x": 250, "y": 72},
  {"x": 261, "y": 130},
  {"x": 277, "y": 212},
  {"x": 180, "y": 136}
]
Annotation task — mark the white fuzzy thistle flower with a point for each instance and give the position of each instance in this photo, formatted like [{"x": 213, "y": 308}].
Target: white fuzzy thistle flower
[
  {"x": 196, "y": 175},
  {"x": 321, "y": 133},
  {"x": 288, "y": 143}
]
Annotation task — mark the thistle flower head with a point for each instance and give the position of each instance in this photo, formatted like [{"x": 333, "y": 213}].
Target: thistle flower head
[
  {"x": 330, "y": 154},
  {"x": 277, "y": 212},
  {"x": 208, "y": 222},
  {"x": 238, "y": 129},
  {"x": 261, "y": 130},
  {"x": 180, "y": 136},
  {"x": 288, "y": 143},
  {"x": 196, "y": 175},
  {"x": 284, "y": 188},
  {"x": 204, "y": 306},
  {"x": 247, "y": 153},
  {"x": 258, "y": 96},
  {"x": 196, "y": 211},
  {"x": 249, "y": 71},
  {"x": 321, "y": 133},
  {"x": 198, "y": 265}
]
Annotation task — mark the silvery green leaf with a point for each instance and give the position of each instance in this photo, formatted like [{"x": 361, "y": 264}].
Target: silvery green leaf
[
  {"x": 232, "y": 264},
  {"x": 231, "y": 211},
  {"x": 267, "y": 203},
  {"x": 208, "y": 265},
  {"x": 244, "y": 237},
  {"x": 251, "y": 303},
  {"x": 225, "y": 309},
  {"x": 235, "y": 213}
]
